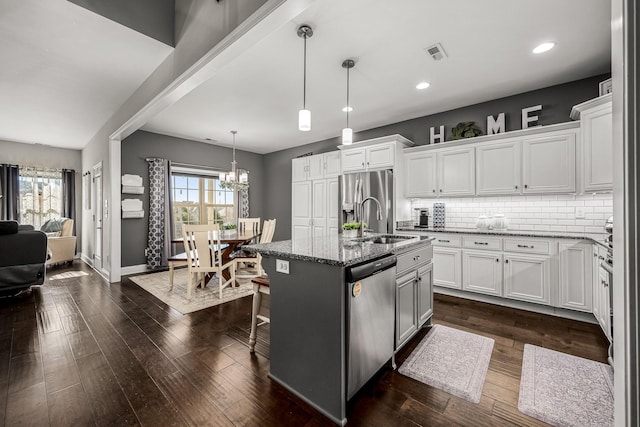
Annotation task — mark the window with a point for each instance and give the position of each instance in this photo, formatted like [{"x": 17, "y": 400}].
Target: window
[
  {"x": 200, "y": 200},
  {"x": 40, "y": 196}
]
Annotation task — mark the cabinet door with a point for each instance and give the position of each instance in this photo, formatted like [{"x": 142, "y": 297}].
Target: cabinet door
[
  {"x": 549, "y": 164},
  {"x": 319, "y": 208},
  {"x": 498, "y": 168},
  {"x": 316, "y": 167},
  {"x": 527, "y": 278},
  {"x": 425, "y": 293},
  {"x": 576, "y": 280},
  {"x": 380, "y": 156},
  {"x": 420, "y": 170},
  {"x": 447, "y": 268},
  {"x": 596, "y": 282},
  {"x": 605, "y": 301},
  {"x": 456, "y": 172},
  {"x": 301, "y": 202},
  {"x": 353, "y": 160},
  {"x": 406, "y": 323},
  {"x": 332, "y": 167},
  {"x": 332, "y": 205},
  {"x": 597, "y": 148},
  {"x": 482, "y": 272},
  {"x": 299, "y": 169}
]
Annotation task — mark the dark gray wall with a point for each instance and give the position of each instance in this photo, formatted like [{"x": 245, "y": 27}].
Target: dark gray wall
[
  {"x": 141, "y": 145},
  {"x": 153, "y": 18},
  {"x": 556, "y": 104}
]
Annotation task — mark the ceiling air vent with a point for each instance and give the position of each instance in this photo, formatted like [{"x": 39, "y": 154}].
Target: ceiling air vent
[{"x": 436, "y": 51}]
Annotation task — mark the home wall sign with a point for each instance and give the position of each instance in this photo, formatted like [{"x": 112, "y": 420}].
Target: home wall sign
[{"x": 530, "y": 117}]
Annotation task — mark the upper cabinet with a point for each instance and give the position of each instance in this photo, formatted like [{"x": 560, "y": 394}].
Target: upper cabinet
[
  {"x": 319, "y": 166},
  {"x": 379, "y": 156},
  {"x": 596, "y": 143},
  {"x": 549, "y": 164},
  {"x": 446, "y": 173},
  {"x": 498, "y": 168}
]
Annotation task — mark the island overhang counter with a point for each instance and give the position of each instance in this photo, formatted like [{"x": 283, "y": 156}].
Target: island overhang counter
[{"x": 309, "y": 332}]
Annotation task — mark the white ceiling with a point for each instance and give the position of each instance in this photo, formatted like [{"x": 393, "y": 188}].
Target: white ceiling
[
  {"x": 66, "y": 70},
  {"x": 489, "y": 45}
]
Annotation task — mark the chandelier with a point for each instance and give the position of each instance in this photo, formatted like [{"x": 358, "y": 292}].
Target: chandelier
[{"x": 233, "y": 180}]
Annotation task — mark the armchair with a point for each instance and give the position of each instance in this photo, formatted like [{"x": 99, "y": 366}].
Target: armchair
[
  {"x": 23, "y": 253},
  {"x": 62, "y": 247}
]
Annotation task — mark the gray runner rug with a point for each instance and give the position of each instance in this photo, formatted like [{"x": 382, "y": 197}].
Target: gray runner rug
[
  {"x": 565, "y": 390},
  {"x": 451, "y": 360}
]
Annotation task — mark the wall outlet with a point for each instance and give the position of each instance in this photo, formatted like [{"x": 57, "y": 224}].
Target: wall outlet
[
  {"x": 579, "y": 212},
  {"x": 282, "y": 266}
]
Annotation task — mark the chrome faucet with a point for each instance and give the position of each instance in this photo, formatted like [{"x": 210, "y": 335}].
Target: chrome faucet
[{"x": 378, "y": 214}]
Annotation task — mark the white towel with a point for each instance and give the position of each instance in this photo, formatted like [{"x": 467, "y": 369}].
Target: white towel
[
  {"x": 131, "y": 205},
  {"x": 133, "y": 180},
  {"x": 133, "y": 214},
  {"x": 130, "y": 189}
]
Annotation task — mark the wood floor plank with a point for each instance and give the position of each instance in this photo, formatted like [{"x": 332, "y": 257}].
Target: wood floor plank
[
  {"x": 73, "y": 323},
  {"x": 25, "y": 371},
  {"x": 70, "y": 407},
  {"x": 83, "y": 343},
  {"x": 28, "y": 406}
]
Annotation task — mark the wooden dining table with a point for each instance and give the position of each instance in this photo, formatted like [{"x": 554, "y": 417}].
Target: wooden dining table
[{"x": 229, "y": 242}]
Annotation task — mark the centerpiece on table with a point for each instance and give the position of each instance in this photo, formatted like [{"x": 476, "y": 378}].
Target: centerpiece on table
[{"x": 228, "y": 229}]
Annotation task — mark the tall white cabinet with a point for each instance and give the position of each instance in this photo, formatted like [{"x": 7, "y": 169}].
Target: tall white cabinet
[{"x": 314, "y": 195}]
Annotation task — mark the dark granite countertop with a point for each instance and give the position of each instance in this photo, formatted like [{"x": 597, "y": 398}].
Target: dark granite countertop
[
  {"x": 598, "y": 238},
  {"x": 334, "y": 249}
]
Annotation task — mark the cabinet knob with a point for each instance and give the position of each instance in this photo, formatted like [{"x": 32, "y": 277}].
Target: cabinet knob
[
  {"x": 481, "y": 243},
  {"x": 595, "y": 255},
  {"x": 516, "y": 187},
  {"x": 497, "y": 259},
  {"x": 506, "y": 261},
  {"x": 441, "y": 190},
  {"x": 526, "y": 246},
  {"x": 526, "y": 186},
  {"x": 434, "y": 190},
  {"x": 363, "y": 164},
  {"x": 368, "y": 163}
]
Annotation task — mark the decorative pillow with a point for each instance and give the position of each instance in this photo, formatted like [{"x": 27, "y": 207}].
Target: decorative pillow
[
  {"x": 53, "y": 225},
  {"x": 8, "y": 227}
]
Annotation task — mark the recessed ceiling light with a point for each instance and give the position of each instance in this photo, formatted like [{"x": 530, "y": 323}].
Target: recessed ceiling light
[
  {"x": 543, "y": 47},
  {"x": 422, "y": 85},
  {"x": 347, "y": 109}
]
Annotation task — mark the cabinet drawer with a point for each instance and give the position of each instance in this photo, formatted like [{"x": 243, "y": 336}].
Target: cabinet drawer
[
  {"x": 447, "y": 240},
  {"x": 528, "y": 246},
  {"x": 481, "y": 242},
  {"x": 412, "y": 259}
]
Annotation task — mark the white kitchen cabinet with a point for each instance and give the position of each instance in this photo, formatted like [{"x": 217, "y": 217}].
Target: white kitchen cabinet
[
  {"x": 301, "y": 210},
  {"x": 374, "y": 157},
  {"x": 482, "y": 272},
  {"x": 601, "y": 295},
  {"x": 420, "y": 173},
  {"x": 447, "y": 267},
  {"x": 597, "y": 144},
  {"x": 576, "y": 281},
  {"x": 498, "y": 168},
  {"x": 527, "y": 277},
  {"x": 319, "y": 166},
  {"x": 548, "y": 164},
  {"x": 332, "y": 202},
  {"x": 299, "y": 169},
  {"x": 332, "y": 164},
  {"x": 425, "y": 293},
  {"x": 456, "y": 172},
  {"x": 319, "y": 207},
  {"x": 406, "y": 321}
]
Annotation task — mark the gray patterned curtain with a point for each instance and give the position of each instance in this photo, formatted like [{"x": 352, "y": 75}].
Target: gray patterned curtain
[
  {"x": 10, "y": 190},
  {"x": 243, "y": 200},
  {"x": 69, "y": 195},
  {"x": 159, "y": 237}
]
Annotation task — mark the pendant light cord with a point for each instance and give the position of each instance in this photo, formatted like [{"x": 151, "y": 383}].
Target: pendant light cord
[
  {"x": 348, "y": 96},
  {"x": 304, "y": 79}
]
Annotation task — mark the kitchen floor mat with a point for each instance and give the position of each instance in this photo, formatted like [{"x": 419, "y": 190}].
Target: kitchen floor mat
[
  {"x": 451, "y": 360},
  {"x": 565, "y": 390}
]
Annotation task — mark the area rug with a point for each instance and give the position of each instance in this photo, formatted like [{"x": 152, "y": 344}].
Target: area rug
[
  {"x": 565, "y": 390},
  {"x": 157, "y": 284},
  {"x": 451, "y": 360}
]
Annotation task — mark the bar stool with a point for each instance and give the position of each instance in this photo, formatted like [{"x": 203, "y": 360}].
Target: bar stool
[{"x": 260, "y": 286}]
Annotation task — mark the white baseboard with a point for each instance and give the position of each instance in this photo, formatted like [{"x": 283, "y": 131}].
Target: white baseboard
[
  {"x": 86, "y": 260},
  {"x": 134, "y": 269}
]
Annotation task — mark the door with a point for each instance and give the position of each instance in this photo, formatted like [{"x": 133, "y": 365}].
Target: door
[
  {"x": 406, "y": 308},
  {"x": 456, "y": 172},
  {"x": 425, "y": 293},
  {"x": 319, "y": 208},
  {"x": 447, "y": 268},
  {"x": 482, "y": 272},
  {"x": 301, "y": 213},
  {"x": 299, "y": 169},
  {"x": 353, "y": 160},
  {"x": 527, "y": 278},
  {"x": 597, "y": 146},
  {"x": 98, "y": 214},
  {"x": 332, "y": 167},
  {"x": 380, "y": 156},
  {"x": 576, "y": 262},
  {"x": 420, "y": 175},
  {"x": 333, "y": 206},
  {"x": 498, "y": 168},
  {"x": 549, "y": 164}
]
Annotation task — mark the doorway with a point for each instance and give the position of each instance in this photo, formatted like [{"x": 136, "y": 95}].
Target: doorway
[{"x": 97, "y": 216}]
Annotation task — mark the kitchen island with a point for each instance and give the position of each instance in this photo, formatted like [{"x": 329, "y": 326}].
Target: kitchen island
[{"x": 312, "y": 334}]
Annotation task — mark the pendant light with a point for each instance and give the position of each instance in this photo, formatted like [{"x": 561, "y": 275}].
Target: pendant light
[
  {"x": 304, "y": 115},
  {"x": 347, "y": 132},
  {"x": 232, "y": 180}
]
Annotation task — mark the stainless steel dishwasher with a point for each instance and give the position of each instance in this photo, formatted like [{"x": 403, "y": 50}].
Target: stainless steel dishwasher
[{"x": 371, "y": 317}]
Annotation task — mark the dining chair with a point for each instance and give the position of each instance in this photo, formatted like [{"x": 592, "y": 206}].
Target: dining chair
[
  {"x": 248, "y": 226},
  {"x": 204, "y": 255},
  {"x": 243, "y": 256}
]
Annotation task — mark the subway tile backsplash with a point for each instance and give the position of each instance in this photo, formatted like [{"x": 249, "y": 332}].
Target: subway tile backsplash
[{"x": 539, "y": 213}]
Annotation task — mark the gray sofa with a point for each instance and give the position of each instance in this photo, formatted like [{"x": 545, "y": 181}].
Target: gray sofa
[{"x": 23, "y": 253}]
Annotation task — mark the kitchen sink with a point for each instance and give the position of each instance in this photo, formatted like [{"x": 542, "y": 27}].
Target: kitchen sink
[{"x": 385, "y": 239}]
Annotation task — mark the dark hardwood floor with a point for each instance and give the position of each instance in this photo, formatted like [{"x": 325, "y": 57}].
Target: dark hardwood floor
[{"x": 78, "y": 351}]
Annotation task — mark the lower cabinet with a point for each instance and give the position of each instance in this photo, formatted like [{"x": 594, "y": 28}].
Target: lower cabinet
[
  {"x": 527, "y": 278},
  {"x": 447, "y": 268},
  {"x": 482, "y": 272},
  {"x": 576, "y": 281},
  {"x": 414, "y": 292}
]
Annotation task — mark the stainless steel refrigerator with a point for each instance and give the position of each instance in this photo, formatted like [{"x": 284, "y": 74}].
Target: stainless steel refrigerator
[{"x": 355, "y": 187}]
